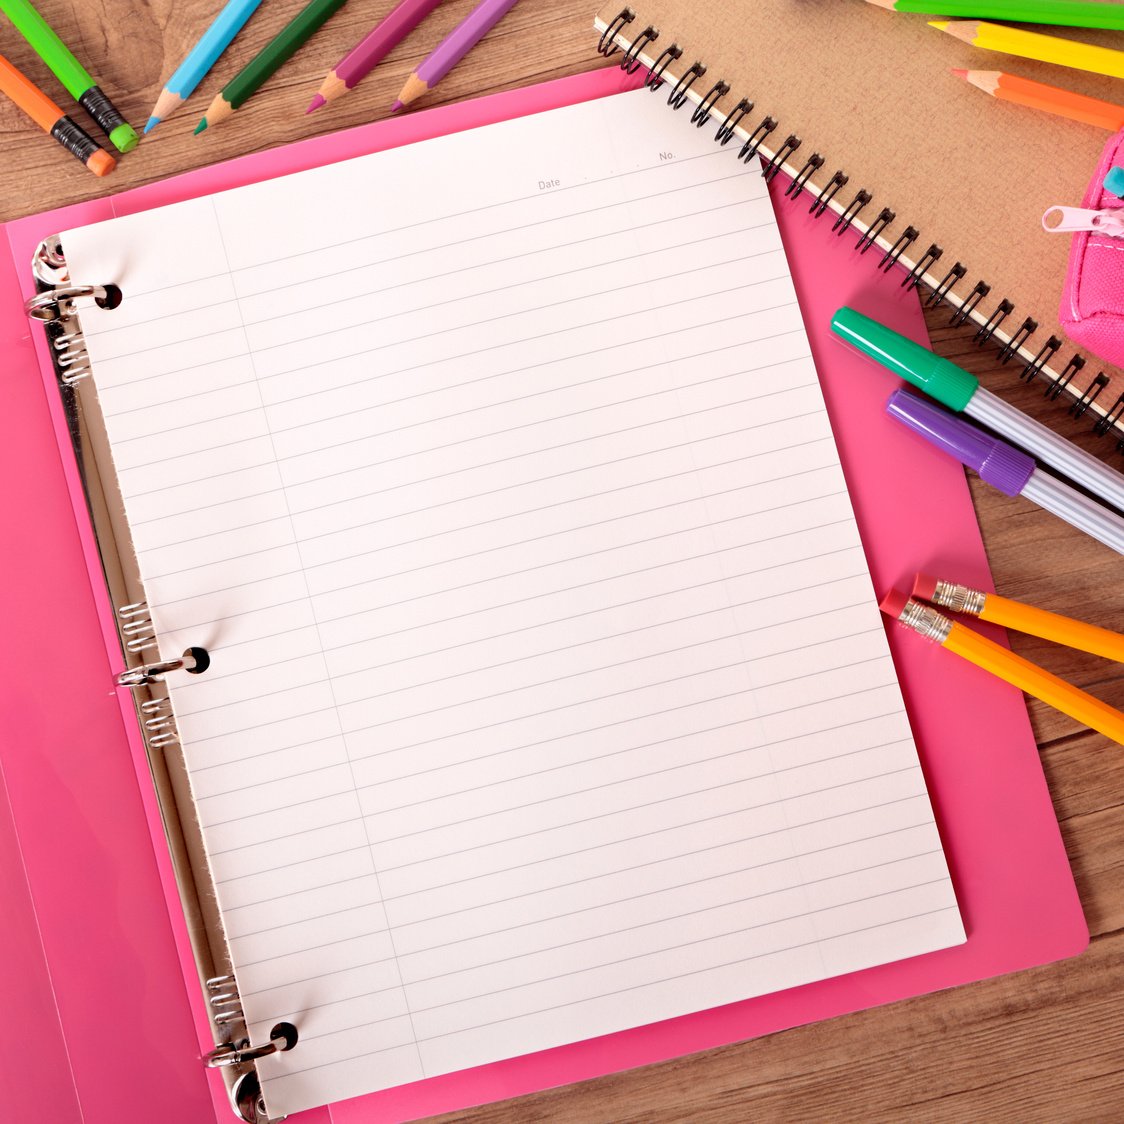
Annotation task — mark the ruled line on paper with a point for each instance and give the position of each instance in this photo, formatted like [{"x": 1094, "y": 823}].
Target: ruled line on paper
[
  {"x": 689, "y": 854},
  {"x": 196, "y": 337},
  {"x": 507, "y": 929},
  {"x": 771, "y": 952},
  {"x": 519, "y": 456},
  {"x": 140, "y": 493},
  {"x": 351, "y": 241}
]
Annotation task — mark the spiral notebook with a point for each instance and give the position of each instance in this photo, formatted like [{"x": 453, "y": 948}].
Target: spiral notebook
[
  {"x": 905, "y": 161},
  {"x": 539, "y": 690}
]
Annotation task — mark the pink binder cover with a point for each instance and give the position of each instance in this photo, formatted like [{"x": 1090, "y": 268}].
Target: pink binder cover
[{"x": 111, "y": 1017}]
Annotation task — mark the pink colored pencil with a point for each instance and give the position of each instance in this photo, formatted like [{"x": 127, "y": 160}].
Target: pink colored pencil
[
  {"x": 452, "y": 49},
  {"x": 371, "y": 50}
]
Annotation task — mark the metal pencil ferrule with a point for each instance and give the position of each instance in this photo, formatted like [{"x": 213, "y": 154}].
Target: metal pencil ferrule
[
  {"x": 959, "y": 598},
  {"x": 925, "y": 621}
]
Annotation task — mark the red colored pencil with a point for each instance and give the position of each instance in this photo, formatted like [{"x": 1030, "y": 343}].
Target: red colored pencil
[{"x": 371, "y": 50}]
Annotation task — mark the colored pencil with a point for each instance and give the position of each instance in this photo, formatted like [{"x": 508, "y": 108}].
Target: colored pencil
[
  {"x": 1022, "y": 618},
  {"x": 51, "y": 119},
  {"x": 1064, "y": 13},
  {"x": 1021, "y": 673},
  {"x": 1050, "y": 99},
  {"x": 269, "y": 59},
  {"x": 1031, "y": 45},
  {"x": 371, "y": 50},
  {"x": 452, "y": 49},
  {"x": 201, "y": 58},
  {"x": 70, "y": 72}
]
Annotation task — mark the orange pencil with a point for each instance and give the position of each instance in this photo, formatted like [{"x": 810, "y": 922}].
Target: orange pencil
[
  {"x": 1051, "y": 99},
  {"x": 51, "y": 119},
  {"x": 1022, "y": 618},
  {"x": 1021, "y": 673}
]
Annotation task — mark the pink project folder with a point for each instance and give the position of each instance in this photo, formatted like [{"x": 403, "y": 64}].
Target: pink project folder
[{"x": 104, "y": 1016}]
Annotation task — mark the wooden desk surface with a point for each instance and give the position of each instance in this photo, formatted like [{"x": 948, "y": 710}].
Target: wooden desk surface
[{"x": 1043, "y": 1045}]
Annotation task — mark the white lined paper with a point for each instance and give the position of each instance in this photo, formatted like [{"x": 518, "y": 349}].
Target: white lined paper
[{"x": 548, "y": 691}]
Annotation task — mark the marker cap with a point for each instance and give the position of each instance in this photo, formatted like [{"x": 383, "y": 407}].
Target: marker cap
[
  {"x": 1001, "y": 465},
  {"x": 945, "y": 381}
]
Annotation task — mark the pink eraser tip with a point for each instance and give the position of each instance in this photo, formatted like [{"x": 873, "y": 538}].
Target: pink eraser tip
[
  {"x": 960, "y": 73},
  {"x": 893, "y": 603},
  {"x": 924, "y": 586},
  {"x": 397, "y": 106}
]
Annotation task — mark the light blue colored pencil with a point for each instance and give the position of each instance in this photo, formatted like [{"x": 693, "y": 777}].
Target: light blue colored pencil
[{"x": 201, "y": 58}]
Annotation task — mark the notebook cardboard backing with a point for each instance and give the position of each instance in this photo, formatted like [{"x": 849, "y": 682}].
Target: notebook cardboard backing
[{"x": 870, "y": 91}]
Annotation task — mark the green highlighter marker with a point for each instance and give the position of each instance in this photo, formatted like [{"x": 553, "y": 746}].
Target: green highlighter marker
[
  {"x": 70, "y": 72},
  {"x": 960, "y": 391}
]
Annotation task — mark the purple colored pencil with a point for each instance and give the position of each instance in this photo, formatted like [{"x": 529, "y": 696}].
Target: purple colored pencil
[
  {"x": 452, "y": 49},
  {"x": 372, "y": 49}
]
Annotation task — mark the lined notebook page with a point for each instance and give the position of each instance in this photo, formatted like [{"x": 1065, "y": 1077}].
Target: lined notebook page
[{"x": 549, "y": 695}]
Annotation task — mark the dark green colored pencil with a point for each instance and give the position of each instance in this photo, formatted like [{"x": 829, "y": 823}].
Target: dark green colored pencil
[{"x": 269, "y": 59}]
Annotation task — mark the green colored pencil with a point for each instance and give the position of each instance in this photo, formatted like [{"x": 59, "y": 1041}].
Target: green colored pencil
[
  {"x": 1062, "y": 13},
  {"x": 70, "y": 72},
  {"x": 268, "y": 60}
]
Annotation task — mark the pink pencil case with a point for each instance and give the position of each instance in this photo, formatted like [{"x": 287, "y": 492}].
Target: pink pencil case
[{"x": 1092, "y": 308}]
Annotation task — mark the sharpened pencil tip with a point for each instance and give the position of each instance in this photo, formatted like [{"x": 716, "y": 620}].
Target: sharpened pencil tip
[
  {"x": 201, "y": 126},
  {"x": 960, "y": 73},
  {"x": 317, "y": 102},
  {"x": 151, "y": 124},
  {"x": 940, "y": 25},
  {"x": 398, "y": 105}
]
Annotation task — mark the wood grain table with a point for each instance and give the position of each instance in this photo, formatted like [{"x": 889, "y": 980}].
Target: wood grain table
[{"x": 1041, "y": 1045}]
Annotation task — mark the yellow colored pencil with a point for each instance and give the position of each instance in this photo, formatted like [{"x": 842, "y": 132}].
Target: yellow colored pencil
[
  {"x": 1019, "y": 672},
  {"x": 1032, "y": 45},
  {"x": 1022, "y": 618}
]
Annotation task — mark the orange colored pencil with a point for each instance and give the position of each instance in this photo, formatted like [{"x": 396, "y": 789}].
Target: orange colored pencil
[
  {"x": 1051, "y": 99},
  {"x": 51, "y": 119}
]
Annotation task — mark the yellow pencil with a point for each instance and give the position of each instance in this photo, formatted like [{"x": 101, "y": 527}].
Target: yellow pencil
[
  {"x": 1032, "y": 45},
  {"x": 1022, "y": 618},
  {"x": 1027, "y": 676}
]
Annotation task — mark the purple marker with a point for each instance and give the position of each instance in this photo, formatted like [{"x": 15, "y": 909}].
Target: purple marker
[
  {"x": 452, "y": 49},
  {"x": 1004, "y": 467}
]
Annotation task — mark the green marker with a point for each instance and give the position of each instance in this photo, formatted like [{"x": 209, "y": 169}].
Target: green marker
[
  {"x": 70, "y": 72},
  {"x": 960, "y": 391}
]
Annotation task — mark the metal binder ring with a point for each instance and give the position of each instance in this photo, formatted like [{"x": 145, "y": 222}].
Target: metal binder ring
[
  {"x": 44, "y": 306},
  {"x": 282, "y": 1037},
  {"x": 49, "y": 262},
  {"x": 194, "y": 661}
]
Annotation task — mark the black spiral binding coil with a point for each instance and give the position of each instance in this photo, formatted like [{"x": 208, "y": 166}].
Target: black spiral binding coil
[{"x": 738, "y": 119}]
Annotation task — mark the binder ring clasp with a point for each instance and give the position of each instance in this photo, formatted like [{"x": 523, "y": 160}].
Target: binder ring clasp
[{"x": 282, "y": 1037}]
